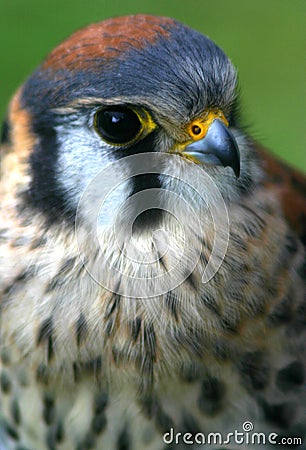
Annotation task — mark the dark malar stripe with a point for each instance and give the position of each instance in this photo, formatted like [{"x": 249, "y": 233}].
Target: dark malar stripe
[
  {"x": 5, "y": 132},
  {"x": 150, "y": 216}
]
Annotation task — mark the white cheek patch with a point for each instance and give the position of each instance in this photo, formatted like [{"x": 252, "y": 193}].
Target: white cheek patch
[
  {"x": 82, "y": 156},
  {"x": 101, "y": 201}
]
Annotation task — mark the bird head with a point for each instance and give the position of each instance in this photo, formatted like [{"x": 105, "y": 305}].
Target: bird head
[{"x": 128, "y": 86}]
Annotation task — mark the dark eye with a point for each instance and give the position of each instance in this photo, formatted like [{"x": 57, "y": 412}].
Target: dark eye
[{"x": 117, "y": 125}]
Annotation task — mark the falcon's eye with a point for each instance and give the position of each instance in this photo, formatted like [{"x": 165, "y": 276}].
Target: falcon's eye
[{"x": 117, "y": 124}]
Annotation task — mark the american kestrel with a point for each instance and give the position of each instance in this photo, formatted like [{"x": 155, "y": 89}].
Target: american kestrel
[{"x": 152, "y": 255}]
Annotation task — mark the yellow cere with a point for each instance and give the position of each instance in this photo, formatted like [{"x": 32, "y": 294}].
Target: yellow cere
[{"x": 198, "y": 128}]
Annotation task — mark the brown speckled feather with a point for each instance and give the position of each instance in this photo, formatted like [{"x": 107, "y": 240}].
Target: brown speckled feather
[{"x": 290, "y": 187}]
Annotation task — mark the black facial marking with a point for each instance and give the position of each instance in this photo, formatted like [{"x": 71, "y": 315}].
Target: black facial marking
[
  {"x": 45, "y": 335},
  {"x": 254, "y": 369},
  {"x": 5, "y": 132},
  {"x": 45, "y": 194},
  {"x": 291, "y": 376},
  {"x": 212, "y": 396},
  {"x": 124, "y": 440},
  {"x": 148, "y": 217}
]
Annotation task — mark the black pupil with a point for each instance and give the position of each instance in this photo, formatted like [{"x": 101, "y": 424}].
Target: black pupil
[
  {"x": 118, "y": 125},
  {"x": 196, "y": 129}
]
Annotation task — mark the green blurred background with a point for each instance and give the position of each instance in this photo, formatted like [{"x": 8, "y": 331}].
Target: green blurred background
[{"x": 264, "y": 38}]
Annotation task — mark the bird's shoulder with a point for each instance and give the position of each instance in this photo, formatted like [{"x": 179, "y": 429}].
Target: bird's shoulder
[{"x": 289, "y": 186}]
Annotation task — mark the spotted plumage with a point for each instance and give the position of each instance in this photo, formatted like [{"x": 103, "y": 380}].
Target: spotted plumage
[{"x": 109, "y": 340}]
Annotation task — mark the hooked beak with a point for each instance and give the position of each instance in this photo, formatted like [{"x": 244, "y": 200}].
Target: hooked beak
[{"x": 218, "y": 147}]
